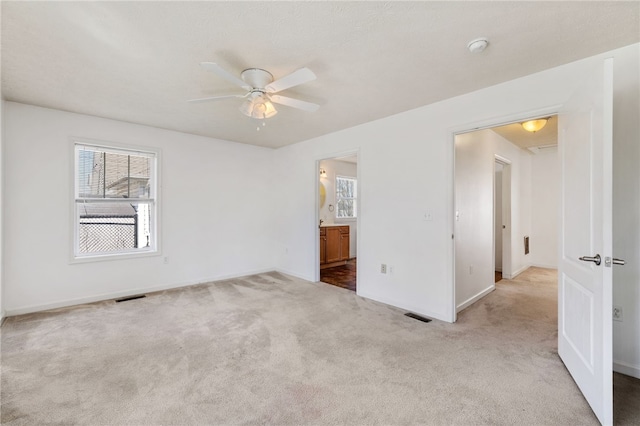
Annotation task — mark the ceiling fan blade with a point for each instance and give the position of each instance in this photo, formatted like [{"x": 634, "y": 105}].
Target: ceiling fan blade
[
  {"x": 217, "y": 98},
  {"x": 303, "y": 75},
  {"x": 294, "y": 103},
  {"x": 217, "y": 69}
]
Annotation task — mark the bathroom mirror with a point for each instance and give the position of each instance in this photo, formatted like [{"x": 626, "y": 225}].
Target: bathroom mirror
[{"x": 323, "y": 194}]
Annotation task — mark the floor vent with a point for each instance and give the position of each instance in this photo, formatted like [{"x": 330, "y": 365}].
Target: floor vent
[
  {"x": 126, "y": 299},
  {"x": 416, "y": 316}
]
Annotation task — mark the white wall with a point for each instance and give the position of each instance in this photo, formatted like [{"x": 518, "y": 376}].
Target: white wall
[
  {"x": 2, "y": 313},
  {"x": 474, "y": 185},
  {"x": 338, "y": 168},
  {"x": 497, "y": 214},
  {"x": 544, "y": 218},
  {"x": 215, "y": 200},
  {"x": 405, "y": 167},
  {"x": 626, "y": 210}
]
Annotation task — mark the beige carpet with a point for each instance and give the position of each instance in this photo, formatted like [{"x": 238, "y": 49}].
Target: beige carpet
[{"x": 271, "y": 349}]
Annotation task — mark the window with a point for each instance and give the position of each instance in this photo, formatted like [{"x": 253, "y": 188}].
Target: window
[
  {"x": 115, "y": 201},
  {"x": 346, "y": 197}
]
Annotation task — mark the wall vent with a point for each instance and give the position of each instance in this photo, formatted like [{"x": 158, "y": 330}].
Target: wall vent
[
  {"x": 416, "y": 316},
  {"x": 126, "y": 299}
]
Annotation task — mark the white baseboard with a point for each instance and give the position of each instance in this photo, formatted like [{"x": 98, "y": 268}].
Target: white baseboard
[
  {"x": 124, "y": 293},
  {"x": 294, "y": 274},
  {"x": 626, "y": 369},
  {"x": 403, "y": 306},
  {"x": 545, "y": 266},
  {"x": 516, "y": 272},
  {"x": 475, "y": 298}
]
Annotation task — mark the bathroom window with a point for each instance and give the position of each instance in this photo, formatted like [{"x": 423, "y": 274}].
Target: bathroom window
[
  {"x": 115, "y": 201},
  {"x": 346, "y": 197}
]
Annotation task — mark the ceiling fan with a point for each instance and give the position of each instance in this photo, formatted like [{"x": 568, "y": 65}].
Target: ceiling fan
[{"x": 261, "y": 90}]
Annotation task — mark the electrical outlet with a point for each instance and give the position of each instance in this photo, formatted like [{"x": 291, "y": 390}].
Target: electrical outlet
[
  {"x": 383, "y": 268},
  {"x": 617, "y": 313}
]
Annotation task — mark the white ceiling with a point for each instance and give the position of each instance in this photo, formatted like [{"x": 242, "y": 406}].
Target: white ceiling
[{"x": 139, "y": 61}]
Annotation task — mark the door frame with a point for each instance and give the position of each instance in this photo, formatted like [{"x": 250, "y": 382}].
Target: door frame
[
  {"x": 467, "y": 128},
  {"x": 316, "y": 181},
  {"x": 506, "y": 218}
]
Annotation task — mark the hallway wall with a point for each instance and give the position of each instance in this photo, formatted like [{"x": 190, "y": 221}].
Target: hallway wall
[
  {"x": 545, "y": 193},
  {"x": 474, "y": 227}
]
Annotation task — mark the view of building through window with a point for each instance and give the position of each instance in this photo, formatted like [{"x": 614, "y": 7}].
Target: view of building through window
[
  {"x": 114, "y": 200},
  {"x": 346, "y": 197}
]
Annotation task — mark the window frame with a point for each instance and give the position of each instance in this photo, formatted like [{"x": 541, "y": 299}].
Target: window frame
[
  {"x": 355, "y": 199},
  {"x": 154, "y": 200}
]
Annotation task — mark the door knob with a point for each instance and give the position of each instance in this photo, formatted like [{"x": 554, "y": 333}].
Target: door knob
[{"x": 595, "y": 259}]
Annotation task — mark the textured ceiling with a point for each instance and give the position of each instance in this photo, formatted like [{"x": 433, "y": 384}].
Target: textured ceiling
[{"x": 139, "y": 61}]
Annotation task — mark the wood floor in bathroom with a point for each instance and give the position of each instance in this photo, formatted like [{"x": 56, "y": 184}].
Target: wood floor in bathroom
[{"x": 341, "y": 276}]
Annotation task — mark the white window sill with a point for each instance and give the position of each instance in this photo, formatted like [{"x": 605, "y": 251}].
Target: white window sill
[{"x": 114, "y": 256}]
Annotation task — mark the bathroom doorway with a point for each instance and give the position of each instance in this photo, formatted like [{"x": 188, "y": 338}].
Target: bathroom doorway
[{"x": 338, "y": 214}]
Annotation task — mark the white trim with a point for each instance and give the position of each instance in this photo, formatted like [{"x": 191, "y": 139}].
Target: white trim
[
  {"x": 295, "y": 274},
  {"x": 502, "y": 160},
  {"x": 405, "y": 307},
  {"x": 505, "y": 119},
  {"x": 475, "y": 298},
  {"x": 124, "y": 293},
  {"x": 518, "y": 272},
  {"x": 544, "y": 266},
  {"x": 626, "y": 369},
  {"x": 123, "y": 255}
]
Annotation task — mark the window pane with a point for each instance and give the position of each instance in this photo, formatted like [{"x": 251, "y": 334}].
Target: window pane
[
  {"x": 113, "y": 227},
  {"x": 346, "y": 208},
  {"x": 346, "y": 188},
  {"x": 103, "y": 174}
]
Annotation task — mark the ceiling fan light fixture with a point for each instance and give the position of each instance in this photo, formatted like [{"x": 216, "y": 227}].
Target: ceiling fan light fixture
[
  {"x": 258, "y": 107},
  {"x": 262, "y": 90},
  {"x": 534, "y": 125}
]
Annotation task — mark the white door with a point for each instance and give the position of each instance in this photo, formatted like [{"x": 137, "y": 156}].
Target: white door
[{"x": 584, "y": 287}]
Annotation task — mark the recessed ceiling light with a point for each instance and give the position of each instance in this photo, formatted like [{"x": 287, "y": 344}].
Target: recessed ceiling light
[{"x": 478, "y": 45}]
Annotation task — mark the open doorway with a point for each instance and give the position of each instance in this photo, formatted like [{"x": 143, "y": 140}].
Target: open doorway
[
  {"x": 338, "y": 213},
  {"x": 498, "y": 226},
  {"x": 502, "y": 218},
  {"x": 506, "y": 204}
]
